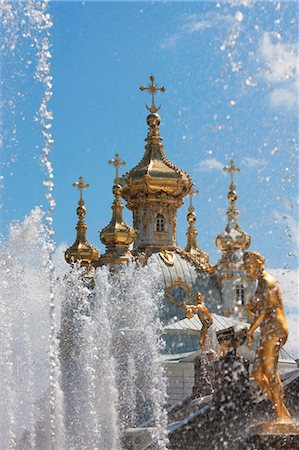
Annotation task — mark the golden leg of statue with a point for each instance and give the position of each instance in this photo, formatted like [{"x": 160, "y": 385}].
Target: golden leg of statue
[{"x": 267, "y": 375}]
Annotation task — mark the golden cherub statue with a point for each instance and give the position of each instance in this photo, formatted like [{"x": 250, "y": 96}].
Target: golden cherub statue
[
  {"x": 203, "y": 314},
  {"x": 267, "y": 310}
]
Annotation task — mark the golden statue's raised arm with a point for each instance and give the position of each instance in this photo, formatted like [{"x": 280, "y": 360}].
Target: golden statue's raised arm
[{"x": 268, "y": 311}]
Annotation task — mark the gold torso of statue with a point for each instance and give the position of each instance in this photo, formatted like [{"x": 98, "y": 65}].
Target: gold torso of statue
[
  {"x": 267, "y": 311},
  {"x": 268, "y": 291},
  {"x": 203, "y": 314}
]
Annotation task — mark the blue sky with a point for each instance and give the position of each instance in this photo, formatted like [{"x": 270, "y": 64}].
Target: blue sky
[{"x": 230, "y": 75}]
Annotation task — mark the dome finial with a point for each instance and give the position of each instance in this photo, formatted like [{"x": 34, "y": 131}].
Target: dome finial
[
  {"x": 81, "y": 250},
  {"x": 153, "y": 89},
  {"x": 81, "y": 185},
  {"x": 232, "y": 195},
  {"x": 116, "y": 162}
]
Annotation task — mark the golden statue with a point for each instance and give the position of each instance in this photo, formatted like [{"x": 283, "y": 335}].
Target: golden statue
[
  {"x": 267, "y": 309},
  {"x": 203, "y": 314}
]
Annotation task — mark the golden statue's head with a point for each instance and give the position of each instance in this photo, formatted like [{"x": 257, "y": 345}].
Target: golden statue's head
[
  {"x": 254, "y": 264},
  {"x": 198, "y": 299}
]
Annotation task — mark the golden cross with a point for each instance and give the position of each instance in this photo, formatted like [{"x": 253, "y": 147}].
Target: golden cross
[
  {"x": 81, "y": 185},
  {"x": 231, "y": 169},
  {"x": 153, "y": 89},
  {"x": 116, "y": 162},
  {"x": 191, "y": 193}
]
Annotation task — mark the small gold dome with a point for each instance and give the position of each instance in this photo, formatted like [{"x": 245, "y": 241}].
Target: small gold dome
[
  {"x": 232, "y": 196},
  {"x": 233, "y": 238},
  {"x": 83, "y": 252},
  {"x": 191, "y": 217},
  {"x": 117, "y": 236}
]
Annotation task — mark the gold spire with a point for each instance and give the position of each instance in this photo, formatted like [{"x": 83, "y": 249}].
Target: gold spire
[
  {"x": 153, "y": 89},
  {"x": 233, "y": 238},
  {"x": 192, "y": 245},
  {"x": 81, "y": 250},
  {"x": 117, "y": 235}
]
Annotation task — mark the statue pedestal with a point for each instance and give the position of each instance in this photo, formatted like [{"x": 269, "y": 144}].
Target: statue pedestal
[
  {"x": 137, "y": 438},
  {"x": 204, "y": 376},
  {"x": 275, "y": 435}
]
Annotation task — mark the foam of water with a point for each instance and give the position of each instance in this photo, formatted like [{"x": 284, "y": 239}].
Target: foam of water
[
  {"x": 87, "y": 364},
  {"x": 110, "y": 341},
  {"x": 136, "y": 332},
  {"x": 25, "y": 328}
]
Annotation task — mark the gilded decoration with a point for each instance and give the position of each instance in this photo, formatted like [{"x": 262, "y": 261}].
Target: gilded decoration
[
  {"x": 167, "y": 257},
  {"x": 178, "y": 293},
  {"x": 201, "y": 262},
  {"x": 81, "y": 250}
]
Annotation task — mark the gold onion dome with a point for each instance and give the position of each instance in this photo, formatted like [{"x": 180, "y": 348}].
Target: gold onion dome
[
  {"x": 233, "y": 238},
  {"x": 117, "y": 236},
  {"x": 81, "y": 250},
  {"x": 155, "y": 173}
]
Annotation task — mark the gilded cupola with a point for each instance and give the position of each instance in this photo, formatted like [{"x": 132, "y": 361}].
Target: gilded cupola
[
  {"x": 155, "y": 173},
  {"x": 81, "y": 250},
  {"x": 233, "y": 238},
  {"x": 154, "y": 189},
  {"x": 117, "y": 236}
]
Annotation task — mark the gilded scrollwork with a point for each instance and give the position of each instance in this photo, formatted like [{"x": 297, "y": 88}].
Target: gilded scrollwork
[{"x": 178, "y": 293}]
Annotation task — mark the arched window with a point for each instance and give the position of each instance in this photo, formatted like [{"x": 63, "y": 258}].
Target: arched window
[
  {"x": 160, "y": 225},
  {"x": 240, "y": 294}
]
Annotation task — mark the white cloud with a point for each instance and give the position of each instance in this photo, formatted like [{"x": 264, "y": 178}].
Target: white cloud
[
  {"x": 280, "y": 70},
  {"x": 195, "y": 23},
  {"x": 169, "y": 42},
  {"x": 288, "y": 280},
  {"x": 284, "y": 97},
  {"x": 198, "y": 22},
  {"x": 209, "y": 164},
  {"x": 253, "y": 162}
]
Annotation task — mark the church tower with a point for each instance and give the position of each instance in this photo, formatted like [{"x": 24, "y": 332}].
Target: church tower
[
  {"x": 236, "y": 288},
  {"x": 154, "y": 189}
]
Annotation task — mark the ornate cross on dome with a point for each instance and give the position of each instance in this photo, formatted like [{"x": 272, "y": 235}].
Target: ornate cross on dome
[
  {"x": 231, "y": 169},
  {"x": 81, "y": 185},
  {"x": 116, "y": 162},
  {"x": 153, "y": 89},
  {"x": 191, "y": 193}
]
